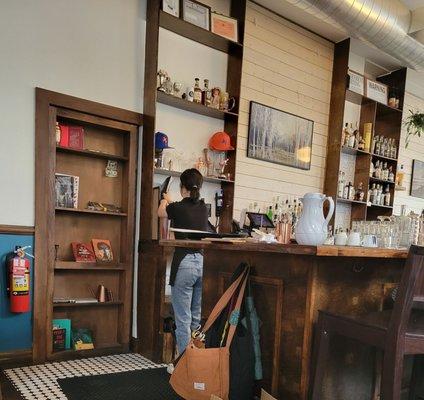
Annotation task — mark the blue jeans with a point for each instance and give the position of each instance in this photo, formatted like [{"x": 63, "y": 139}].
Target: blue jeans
[{"x": 187, "y": 298}]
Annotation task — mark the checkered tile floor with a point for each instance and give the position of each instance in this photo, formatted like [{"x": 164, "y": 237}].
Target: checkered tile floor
[{"x": 39, "y": 382}]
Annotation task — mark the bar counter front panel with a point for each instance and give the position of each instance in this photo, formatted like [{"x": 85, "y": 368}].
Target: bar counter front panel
[{"x": 290, "y": 283}]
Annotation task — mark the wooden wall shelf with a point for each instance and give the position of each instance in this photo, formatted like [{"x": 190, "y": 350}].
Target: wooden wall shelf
[
  {"x": 112, "y": 131},
  {"x": 386, "y": 121},
  {"x": 340, "y": 200},
  {"x": 199, "y": 35},
  {"x": 73, "y": 265},
  {"x": 111, "y": 348},
  {"x": 193, "y": 107},
  {"x": 105, "y": 304},
  {"x": 94, "y": 212},
  {"x": 91, "y": 153},
  {"x": 209, "y": 179}
]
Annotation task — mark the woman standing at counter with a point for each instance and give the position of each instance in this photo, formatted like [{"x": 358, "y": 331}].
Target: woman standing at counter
[{"x": 187, "y": 265}]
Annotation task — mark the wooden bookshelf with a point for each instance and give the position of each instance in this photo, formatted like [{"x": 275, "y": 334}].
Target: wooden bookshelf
[
  {"x": 109, "y": 134},
  {"x": 386, "y": 121}
]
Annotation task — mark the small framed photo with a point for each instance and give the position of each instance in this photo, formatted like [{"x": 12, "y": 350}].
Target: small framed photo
[
  {"x": 102, "y": 250},
  {"x": 171, "y": 7},
  {"x": 196, "y": 13},
  {"x": 224, "y": 26},
  {"x": 377, "y": 91},
  {"x": 356, "y": 82}
]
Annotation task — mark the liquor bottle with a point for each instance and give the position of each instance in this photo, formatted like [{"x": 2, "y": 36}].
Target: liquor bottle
[
  {"x": 377, "y": 170},
  {"x": 386, "y": 152},
  {"x": 346, "y": 192},
  {"x": 372, "y": 169},
  {"x": 385, "y": 175},
  {"x": 377, "y": 149},
  {"x": 373, "y": 144},
  {"x": 351, "y": 142},
  {"x": 341, "y": 184},
  {"x": 382, "y": 196},
  {"x": 394, "y": 149},
  {"x": 356, "y": 137},
  {"x": 344, "y": 134},
  {"x": 387, "y": 196},
  {"x": 377, "y": 197},
  {"x": 359, "y": 195},
  {"x": 371, "y": 193},
  {"x": 391, "y": 177},
  {"x": 351, "y": 193},
  {"x": 197, "y": 96},
  {"x": 206, "y": 94},
  {"x": 270, "y": 213},
  {"x": 361, "y": 143},
  {"x": 405, "y": 227}
]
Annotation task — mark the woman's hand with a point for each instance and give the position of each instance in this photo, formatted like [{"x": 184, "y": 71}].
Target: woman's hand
[{"x": 167, "y": 197}]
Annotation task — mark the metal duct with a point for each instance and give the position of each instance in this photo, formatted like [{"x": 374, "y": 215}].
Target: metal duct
[{"x": 383, "y": 23}]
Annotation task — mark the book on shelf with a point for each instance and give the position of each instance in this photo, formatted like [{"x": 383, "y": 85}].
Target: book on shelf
[
  {"x": 67, "y": 188},
  {"x": 59, "y": 339},
  {"x": 82, "y": 339},
  {"x": 71, "y": 136},
  {"x": 66, "y": 325},
  {"x": 83, "y": 252},
  {"x": 102, "y": 250}
]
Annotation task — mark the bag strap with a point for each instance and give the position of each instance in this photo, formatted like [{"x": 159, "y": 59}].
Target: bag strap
[
  {"x": 224, "y": 300},
  {"x": 235, "y": 314}
]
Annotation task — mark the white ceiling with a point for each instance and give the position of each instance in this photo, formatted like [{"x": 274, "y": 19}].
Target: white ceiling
[{"x": 314, "y": 24}]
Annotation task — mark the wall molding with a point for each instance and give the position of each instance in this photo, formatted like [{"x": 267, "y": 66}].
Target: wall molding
[{"x": 17, "y": 230}]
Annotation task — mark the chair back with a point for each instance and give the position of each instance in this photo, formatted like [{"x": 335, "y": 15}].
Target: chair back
[{"x": 411, "y": 288}]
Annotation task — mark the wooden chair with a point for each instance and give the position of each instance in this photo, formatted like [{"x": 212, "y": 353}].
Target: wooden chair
[{"x": 396, "y": 332}]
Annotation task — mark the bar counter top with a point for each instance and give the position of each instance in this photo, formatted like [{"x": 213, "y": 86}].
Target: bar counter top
[{"x": 295, "y": 249}]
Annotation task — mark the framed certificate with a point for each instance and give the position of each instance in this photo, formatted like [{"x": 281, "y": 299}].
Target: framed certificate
[
  {"x": 224, "y": 26},
  {"x": 171, "y": 7},
  {"x": 196, "y": 13}
]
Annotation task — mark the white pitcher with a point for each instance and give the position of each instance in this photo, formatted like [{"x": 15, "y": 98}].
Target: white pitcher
[{"x": 312, "y": 227}]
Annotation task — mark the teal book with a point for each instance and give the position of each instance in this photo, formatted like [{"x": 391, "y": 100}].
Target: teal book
[{"x": 64, "y": 324}]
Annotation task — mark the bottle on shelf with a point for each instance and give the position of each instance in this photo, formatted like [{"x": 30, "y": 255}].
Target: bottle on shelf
[
  {"x": 377, "y": 170},
  {"x": 359, "y": 195},
  {"x": 351, "y": 192},
  {"x": 346, "y": 192},
  {"x": 372, "y": 169},
  {"x": 341, "y": 184},
  {"x": 377, "y": 148},
  {"x": 386, "y": 152},
  {"x": 387, "y": 196},
  {"x": 393, "y": 150},
  {"x": 385, "y": 175},
  {"x": 377, "y": 197},
  {"x": 372, "y": 193},
  {"x": 344, "y": 134},
  {"x": 373, "y": 143},
  {"x": 197, "y": 95},
  {"x": 391, "y": 176},
  {"x": 206, "y": 94},
  {"x": 356, "y": 137},
  {"x": 351, "y": 141}
]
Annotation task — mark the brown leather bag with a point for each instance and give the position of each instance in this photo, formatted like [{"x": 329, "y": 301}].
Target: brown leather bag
[{"x": 202, "y": 372}]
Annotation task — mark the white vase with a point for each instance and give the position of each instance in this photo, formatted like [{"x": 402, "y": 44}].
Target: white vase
[{"x": 312, "y": 227}]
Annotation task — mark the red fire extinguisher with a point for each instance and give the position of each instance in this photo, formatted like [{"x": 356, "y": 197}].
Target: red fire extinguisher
[{"x": 18, "y": 282}]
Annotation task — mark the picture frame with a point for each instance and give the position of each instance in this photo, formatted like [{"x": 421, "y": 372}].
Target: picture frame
[
  {"x": 279, "y": 137},
  {"x": 376, "y": 91},
  {"x": 417, "y": 180},
  {"x": 171, "y": 7},
  {"x": 196, "y": 13},
  {"x": 224, "y": 26},
  {"x": 102, "y": 250},
  {"x": 356, "y": 82}
]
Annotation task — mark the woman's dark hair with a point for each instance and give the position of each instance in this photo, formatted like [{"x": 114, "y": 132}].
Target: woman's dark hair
[{"x": 192, "y": 180}]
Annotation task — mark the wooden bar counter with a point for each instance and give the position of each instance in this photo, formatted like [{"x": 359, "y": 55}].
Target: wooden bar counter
[{"x": 290, "y": 284}]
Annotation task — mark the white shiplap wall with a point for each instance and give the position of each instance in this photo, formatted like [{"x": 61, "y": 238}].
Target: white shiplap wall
[
  {"x": 415, "y": 151},
  {"x": 288, "y": 68}
]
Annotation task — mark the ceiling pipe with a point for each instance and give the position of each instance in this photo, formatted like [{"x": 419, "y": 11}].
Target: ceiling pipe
[{"x": 383, "y": 23}]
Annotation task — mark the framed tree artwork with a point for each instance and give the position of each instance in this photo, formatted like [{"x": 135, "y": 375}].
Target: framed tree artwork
[
  {"x": 417, "y": 184},
  {"x": 279, "y": 137}
]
